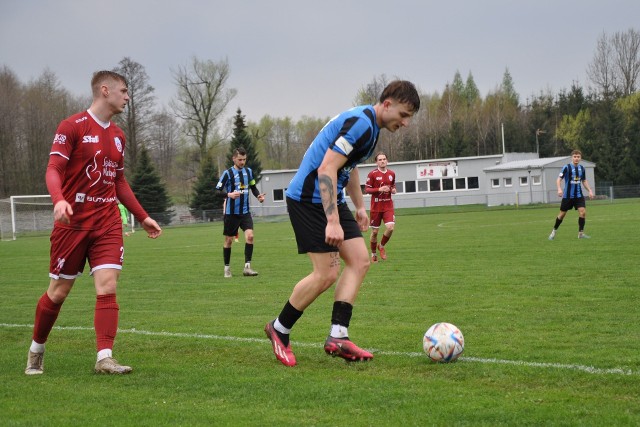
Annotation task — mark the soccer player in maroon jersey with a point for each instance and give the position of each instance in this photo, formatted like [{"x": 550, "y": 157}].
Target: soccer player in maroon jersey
[
  {"x": 381, "y": 184},
  {"x": 85, "y": 178}
]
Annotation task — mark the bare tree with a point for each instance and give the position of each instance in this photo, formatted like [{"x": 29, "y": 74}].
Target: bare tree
[
  {"x": 626, "y": 47},
  {"x": 138, "y": 116},
  {"x": 615, "y": 67},
  {"x": 601, "y": 69},
  {"x": 369, "y": 94},
  {"x": 163, "y": 142},
  {"x": 10, "y": 88},
  {"x": 202, "y": 97}
]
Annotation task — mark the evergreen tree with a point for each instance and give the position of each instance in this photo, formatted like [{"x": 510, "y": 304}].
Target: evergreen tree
[
  {"x": 207, "y": 201},
  {"x": 242, "y": 138},
  {"x": 150, "y": 192}
]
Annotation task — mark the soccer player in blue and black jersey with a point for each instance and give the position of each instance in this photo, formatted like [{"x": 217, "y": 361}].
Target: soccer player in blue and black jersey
[
  {"x": 325, "y": 227},
  {"x": 574, "y": 176},
  {"x": 235, "y": 184}
]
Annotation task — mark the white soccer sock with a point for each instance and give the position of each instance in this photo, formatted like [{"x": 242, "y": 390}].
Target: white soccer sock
[
  {"x": 36, "y": 348},
  {"x": 339, "y": 331},
  {"x": 104, "y": 353},
  {"x": 278, "y": 327}
]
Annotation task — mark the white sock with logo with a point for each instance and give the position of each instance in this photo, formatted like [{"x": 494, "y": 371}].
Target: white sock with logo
[{"x": 339, "y": 331}]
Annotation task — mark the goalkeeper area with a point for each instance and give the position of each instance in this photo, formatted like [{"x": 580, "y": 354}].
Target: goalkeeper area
[{"x": 25, "y": 215}]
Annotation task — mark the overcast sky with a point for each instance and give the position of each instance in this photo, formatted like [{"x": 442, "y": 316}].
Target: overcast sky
[{"x": 299, "y": 57}]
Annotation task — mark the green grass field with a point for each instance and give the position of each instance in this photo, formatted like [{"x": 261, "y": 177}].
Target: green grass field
[{"x": 552, "y": 329}]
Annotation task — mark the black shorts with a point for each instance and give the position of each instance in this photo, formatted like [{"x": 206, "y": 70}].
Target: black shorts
[
  {"x": 567, "y": 204},
  {"x": 233, "y": 222},
  {"x": 309, "y": 223}
]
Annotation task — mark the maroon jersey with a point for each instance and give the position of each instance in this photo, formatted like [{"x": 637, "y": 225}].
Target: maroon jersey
[
  {"x": 95, "y": 154},
  {"x": 380, "y": 202}
]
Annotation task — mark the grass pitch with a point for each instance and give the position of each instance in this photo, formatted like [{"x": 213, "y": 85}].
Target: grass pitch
[{"x": 551, "y": 328}]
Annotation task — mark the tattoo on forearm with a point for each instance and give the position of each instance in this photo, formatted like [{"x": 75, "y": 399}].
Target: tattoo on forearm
[{"x": 326, "y": 194}]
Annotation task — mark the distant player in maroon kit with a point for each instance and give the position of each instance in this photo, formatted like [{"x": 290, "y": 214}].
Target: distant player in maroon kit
[
  {"x": 85, "y": 178},
  {"x": 381, "y": 184}
]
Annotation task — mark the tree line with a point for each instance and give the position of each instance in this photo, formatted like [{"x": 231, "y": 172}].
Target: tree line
[{"x": 187, "y": 140}]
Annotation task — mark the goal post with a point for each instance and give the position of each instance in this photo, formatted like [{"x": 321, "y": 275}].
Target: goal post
[
  {"x": 32, "y": 215},
  {"x": 25, "y": 215}
]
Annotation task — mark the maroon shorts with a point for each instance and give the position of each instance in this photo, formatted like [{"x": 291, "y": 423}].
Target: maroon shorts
[
  {"x": 70, "y": 250},
  {"x": 377, "y": 218}
]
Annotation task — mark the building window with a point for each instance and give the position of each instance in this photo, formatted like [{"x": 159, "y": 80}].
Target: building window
[
  {"x": 447, "y": 184},
  {"x": 434, "y": 185},
  {"x": 508, "y": 182},
  {"x": 423, "y": 185},
  {"x": 473, "y": 182},
  {"x": 495, "y": 182},
  {"x": 524, "y": 180},
  {"x": 399, "y": 187},
  {"x": 278, "y": 195},
  {"x": 461, "y": 183},
  {"x": 409, "y": 186},
  {"x": 536, "y": 180}
]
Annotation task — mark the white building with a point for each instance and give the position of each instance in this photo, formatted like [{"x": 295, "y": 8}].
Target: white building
[{"x": 509, "y": 179}]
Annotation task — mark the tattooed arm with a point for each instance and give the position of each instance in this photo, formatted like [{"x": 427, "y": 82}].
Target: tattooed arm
[{"x": 327, "y": 181}]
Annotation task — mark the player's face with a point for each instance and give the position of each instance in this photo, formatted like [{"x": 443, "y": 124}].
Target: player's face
[
  {"x": 576, "y": 158},
  {"x": 381, "y": 161},
  {"x": 117, "y": 95},
  {"x": 239, "y": 161},
  {"x": 396, "y": 115}
]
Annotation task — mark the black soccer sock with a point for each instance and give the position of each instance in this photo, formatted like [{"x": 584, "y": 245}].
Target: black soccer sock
[
  {"x": 287, "y": 318},
  {"x": 558, "y": 222},
  {"x": 248, "y": 252},
  {"x": 581, "y": 222},
  {"x": 341, "y": 314},
  {"x": 226, "y": 254}
]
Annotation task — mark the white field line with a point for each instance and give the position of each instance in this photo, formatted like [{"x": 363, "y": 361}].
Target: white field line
[{"x": 571, "y": 367}]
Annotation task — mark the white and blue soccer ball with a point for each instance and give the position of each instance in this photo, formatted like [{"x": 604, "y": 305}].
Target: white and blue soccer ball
[{"x": 443, "y": 342}]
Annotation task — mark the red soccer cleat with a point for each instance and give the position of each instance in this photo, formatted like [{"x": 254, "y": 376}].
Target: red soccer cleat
[
  {"x": 383, "y": 253},
  {"x": 282, "y": 353},
  {"x": 345, "y": 348}
]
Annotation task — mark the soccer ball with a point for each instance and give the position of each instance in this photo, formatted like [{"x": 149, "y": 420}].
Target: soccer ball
[{"x": 443, "y": 342}]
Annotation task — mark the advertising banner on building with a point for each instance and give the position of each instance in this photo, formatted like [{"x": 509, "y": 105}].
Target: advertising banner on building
[{"x": 437, "y": 170}]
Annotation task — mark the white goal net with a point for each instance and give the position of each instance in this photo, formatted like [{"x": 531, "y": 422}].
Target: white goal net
[{"x": 25, "y": 215}]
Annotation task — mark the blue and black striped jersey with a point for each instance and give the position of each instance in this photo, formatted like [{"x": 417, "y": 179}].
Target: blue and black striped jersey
[
  {"x": 237, "y": 180},
  {"x": 354, "y": 134},
  {"x": 573, "y": 177}
]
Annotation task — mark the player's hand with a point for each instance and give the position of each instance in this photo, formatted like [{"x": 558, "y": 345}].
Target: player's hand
[
  {"x": 363, "y": 219},
  {"x": 591, "y": 195},
  {"x": 152, "y": 228},
  {"x": 62, "y": 212},
  {"x": 559, "y": 193},
  {"x": 334, "y": 234},
  {"x": 261, "y": 197}
]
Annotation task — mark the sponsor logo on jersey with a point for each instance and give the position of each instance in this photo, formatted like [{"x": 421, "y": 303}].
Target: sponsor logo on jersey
[
  {"x": 101, "y": 199},
  {"x": 81, "y": 119},
  {"x": 118, "y": 144},
  {"x": 90, "y": 139},
  {"x": 92, "y": 170},
  {"x": 60, "y": 138},
  {"x": 80, "y": 197}
]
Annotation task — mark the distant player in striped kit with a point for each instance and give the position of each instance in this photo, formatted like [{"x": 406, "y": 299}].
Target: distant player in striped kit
[
  {"x": 235, "y": 183},
  {"x": 574, "y": 176},
  {"x": 381, "y": 184}
]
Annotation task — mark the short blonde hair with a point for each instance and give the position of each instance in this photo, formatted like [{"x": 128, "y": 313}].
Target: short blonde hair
[{"x": 99, "y": 77}]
